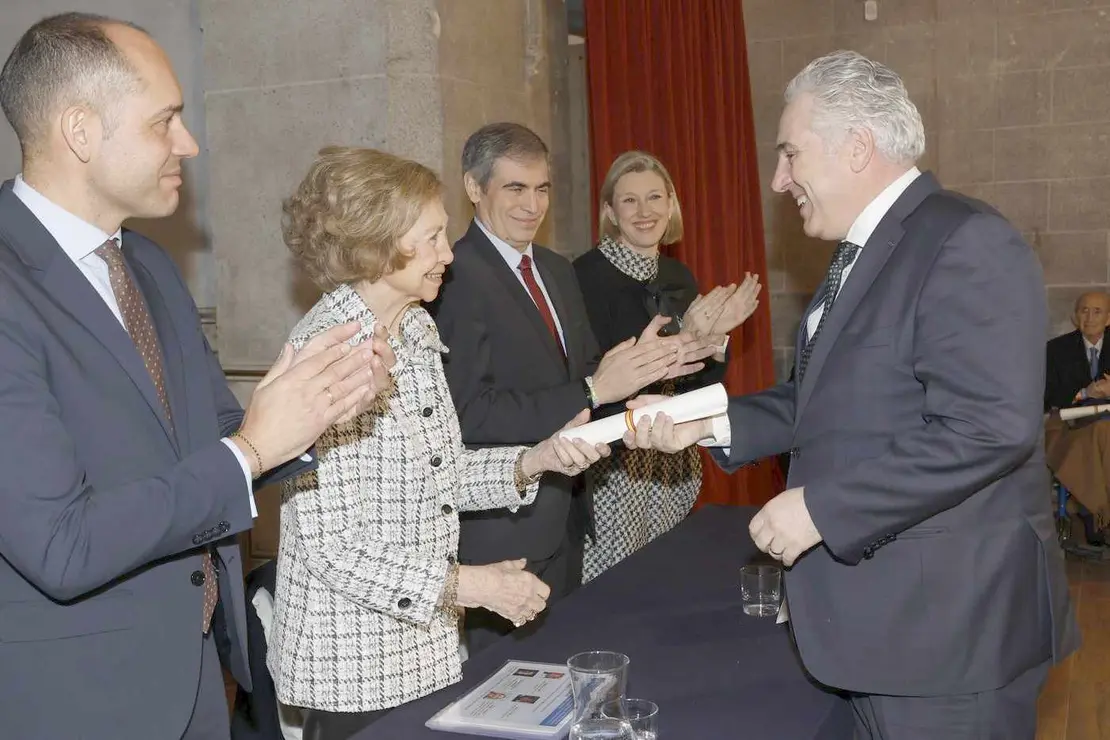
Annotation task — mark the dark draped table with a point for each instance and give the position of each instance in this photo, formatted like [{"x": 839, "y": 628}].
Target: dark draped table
[{"x": 674, "y": 609}]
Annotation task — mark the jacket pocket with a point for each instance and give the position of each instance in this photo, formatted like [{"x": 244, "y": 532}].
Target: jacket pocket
[
  {"x": 28, "y": 621},
  {"x": 915, "y": 533}
]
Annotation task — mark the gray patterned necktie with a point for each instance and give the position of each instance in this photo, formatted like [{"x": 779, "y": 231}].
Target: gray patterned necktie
[
  {"x": 140, "y": 326},
  {"x": 842, "y": 257}
]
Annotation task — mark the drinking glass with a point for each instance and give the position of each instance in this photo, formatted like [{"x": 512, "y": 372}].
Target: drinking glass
[
  {"x": 761, "y": 589},
  {"x": 602, "y": 728},
  {"x": 596, "y": 677},
  {"x": 642, "y": 715}
]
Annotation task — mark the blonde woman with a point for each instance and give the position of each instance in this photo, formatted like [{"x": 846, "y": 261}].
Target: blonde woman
[
  {"x": 369, "y": 587},
  {"x": 626, "y": 281}
]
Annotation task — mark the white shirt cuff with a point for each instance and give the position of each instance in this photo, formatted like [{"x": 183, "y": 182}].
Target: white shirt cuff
[
  {"x": 246, "y": 466},
  {"x": 722, "y": 432}
]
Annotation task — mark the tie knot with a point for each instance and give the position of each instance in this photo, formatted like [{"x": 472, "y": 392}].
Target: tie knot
[
  {"x": 525, "y": 262},
  {"x": 845, "y": 252},
  {"x": 110, "y": 252}
]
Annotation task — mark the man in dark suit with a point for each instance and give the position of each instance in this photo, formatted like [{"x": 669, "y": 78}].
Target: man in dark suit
[
  {"x": 1078, "y": 372},
  {"x": 127, "y": 464},
  {"x": 924, "y": 577},
  {"x": 1077, "y": 368},
  {"x": 523, "y": 360}
]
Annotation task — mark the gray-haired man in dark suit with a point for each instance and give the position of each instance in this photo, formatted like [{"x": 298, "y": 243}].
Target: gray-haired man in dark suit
[
  {"x": 924, "y": 576},
  {"x": 127, "y": 463}
]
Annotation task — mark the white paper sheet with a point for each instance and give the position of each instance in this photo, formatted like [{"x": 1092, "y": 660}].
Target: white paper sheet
[{"x": 691, "y": 406}]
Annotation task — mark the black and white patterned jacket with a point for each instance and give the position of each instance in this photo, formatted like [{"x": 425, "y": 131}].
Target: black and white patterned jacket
[{"x": 368, "y": 537}]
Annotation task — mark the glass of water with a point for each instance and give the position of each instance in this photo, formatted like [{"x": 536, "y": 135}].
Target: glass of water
[
  {"x": 602, "y": 728},
  {"x": 641, "y": 714},
  {"x": 761, "y": 589}
]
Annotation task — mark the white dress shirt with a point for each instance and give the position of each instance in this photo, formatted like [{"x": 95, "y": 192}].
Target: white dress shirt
[
  {"x": 80, "y": 240},
  {"x": 862, "y": 229},
  {"x": 512, "y": 256}
]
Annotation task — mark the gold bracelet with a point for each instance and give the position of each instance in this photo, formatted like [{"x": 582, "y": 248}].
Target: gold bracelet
[
  {"x": 520, "y": 480},
  {"x": 253, "y": 449}
]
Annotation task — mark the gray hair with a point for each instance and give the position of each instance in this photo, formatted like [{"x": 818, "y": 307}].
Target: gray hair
[
  {"x": 851, "y": 91},
  {"x": 496, "y": 140},
  {"x": 61, "y": 61}
]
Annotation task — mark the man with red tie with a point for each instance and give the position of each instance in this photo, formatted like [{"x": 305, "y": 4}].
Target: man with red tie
[{"x": 523, "y": 360}]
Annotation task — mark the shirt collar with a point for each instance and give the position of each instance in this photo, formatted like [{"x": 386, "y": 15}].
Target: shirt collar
[
  {"x": 1097, "y": 346},
  {"x": 77, "y": 237},
  {"x": 508, "y": 252},
  {"x": 866, "y": 223}
]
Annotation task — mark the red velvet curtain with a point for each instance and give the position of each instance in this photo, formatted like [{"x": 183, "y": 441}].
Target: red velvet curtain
[{"x": 671, "y": 77}]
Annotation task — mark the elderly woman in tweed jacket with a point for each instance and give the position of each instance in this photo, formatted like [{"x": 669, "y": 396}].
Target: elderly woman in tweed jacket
[{"x": 369, "y": 590}]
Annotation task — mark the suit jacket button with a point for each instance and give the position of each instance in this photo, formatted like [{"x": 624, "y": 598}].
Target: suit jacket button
[
  {"x": 436, "y": 460},
  {"x": 446, "y": 509},
  {"x": 198, "y": 539},
  {"x": 426, "y": 411},
  {"x": 405, "y": 603},
  {"x": 224, "y": 527},
  {"x": 795, "y": 453},
  {"x": 868, "y": 552},
  {"x": 197, "y": 578}
]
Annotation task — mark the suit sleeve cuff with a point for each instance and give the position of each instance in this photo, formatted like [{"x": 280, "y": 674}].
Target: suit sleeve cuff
[
  {"x": 246, "y": 468},
  {"x": 721, "y": 435}
]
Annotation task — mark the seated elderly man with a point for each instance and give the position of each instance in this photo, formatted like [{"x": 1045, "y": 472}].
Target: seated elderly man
[{"x": 1078, "y": 372}]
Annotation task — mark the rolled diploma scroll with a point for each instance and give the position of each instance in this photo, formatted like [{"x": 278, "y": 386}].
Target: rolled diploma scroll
[
  {"x": 700, "y": 404},
  {"x": 1078, "y": 412}
]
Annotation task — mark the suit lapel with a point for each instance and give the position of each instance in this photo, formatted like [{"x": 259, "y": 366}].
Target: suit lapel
[
  {"x": 882, "y": 243},
  {"x": 513, "y": 286},
  {"x": 558, "y": 305},
  {"x": 67, "y": 287}
]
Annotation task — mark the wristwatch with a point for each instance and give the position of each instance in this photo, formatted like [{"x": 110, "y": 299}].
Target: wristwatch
[{"x": 588, "y": 389}]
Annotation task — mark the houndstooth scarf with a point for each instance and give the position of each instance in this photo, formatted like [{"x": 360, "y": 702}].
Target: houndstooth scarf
[{"x": 637, "y": 266}]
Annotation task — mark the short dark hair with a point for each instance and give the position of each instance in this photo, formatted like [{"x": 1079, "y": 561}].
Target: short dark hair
[
  {"x": 496, "y": 140},
  {"x": 63, "y": 59}
]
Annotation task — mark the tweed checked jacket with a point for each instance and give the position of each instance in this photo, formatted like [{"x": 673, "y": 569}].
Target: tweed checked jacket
[{"x": 368, "y": 537}]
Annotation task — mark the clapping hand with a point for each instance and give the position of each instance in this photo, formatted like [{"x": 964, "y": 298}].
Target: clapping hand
[
  {"x": 704, "y": 311},
  {"x": 691, "y": 349},
  {"x": 738, "y": 307},
  {"x": 306, "y": 392}
]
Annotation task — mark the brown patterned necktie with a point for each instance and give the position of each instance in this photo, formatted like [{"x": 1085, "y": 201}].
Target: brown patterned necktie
[{"x": 139, "y": 324}]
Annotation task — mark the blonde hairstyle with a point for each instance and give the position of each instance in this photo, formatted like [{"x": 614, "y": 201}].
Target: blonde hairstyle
[
  {"x": 636, "y": 161},
  {"x": 345, "y": 222}
]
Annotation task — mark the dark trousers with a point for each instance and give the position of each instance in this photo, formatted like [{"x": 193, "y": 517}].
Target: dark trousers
[
  {"x": 210, "y": 714},
  {"x": 321, "y": 725},
  {"x": 562, "y": 572},
  {"x": 1007, "y": 713}
]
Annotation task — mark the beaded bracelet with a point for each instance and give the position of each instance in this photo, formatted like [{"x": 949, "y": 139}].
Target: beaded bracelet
[{"x": 252, "y": 448}]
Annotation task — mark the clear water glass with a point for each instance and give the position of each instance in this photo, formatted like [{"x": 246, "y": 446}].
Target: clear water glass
[
  {"x": 602, "y": 728},
  {"x": 761, "y": 589},
  {"x": 596, "y": 677},
  {"x": 642, "y": 715}
]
